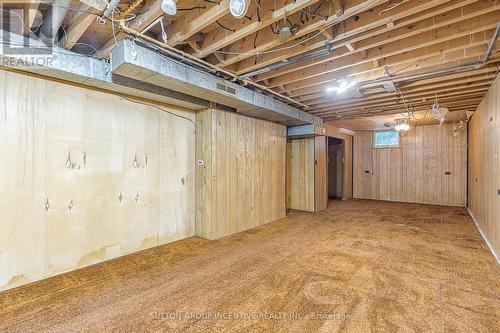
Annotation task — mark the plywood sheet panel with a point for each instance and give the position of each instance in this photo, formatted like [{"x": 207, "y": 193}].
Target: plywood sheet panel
[
  {"x": 22, "y": 175},
  {"x": 95, "y": 159}
]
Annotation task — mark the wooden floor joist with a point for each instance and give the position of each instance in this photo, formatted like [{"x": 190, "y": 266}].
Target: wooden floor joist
[{"x": 369, "y": 39}]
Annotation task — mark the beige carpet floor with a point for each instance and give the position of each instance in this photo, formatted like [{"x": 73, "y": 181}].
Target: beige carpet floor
[{"x": 359, "y": 266}]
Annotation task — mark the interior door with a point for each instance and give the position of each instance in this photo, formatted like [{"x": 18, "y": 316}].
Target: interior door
[{"x": 320, "y": 172}]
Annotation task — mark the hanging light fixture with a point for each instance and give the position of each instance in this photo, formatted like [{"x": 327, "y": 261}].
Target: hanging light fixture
[
  {"x": 402, "y": 124},
  {"x": 239, "y": 8},
  {"x": 169, "y": 7},
  {"x": 439, "y": 112}
]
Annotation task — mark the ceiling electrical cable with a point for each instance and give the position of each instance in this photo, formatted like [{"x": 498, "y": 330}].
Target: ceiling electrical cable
[
  {"x": 64, "y": 34},
  {"x": 224, "y": 27},
  {"x": 284, "y": 48}
]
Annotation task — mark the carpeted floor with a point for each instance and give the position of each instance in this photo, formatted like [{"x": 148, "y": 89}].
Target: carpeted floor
[{"x": 359, "y": 266}]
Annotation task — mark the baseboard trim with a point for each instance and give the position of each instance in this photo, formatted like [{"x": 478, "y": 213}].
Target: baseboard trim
[{"x": 492, "y": 249}]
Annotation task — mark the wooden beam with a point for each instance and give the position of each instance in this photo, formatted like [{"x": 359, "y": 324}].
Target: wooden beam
[
  {"x": 350, "y": 47},
  {"x": 78, "y": 25},
  {"x": 152, "y": 12},
  {"x": 268, "y": 40},
  {"x": 374, "y": 40},
  {"x": 410, "y": 98},
  {"x": 33, "y": 10},
  {"x": 325, "y": 101},
  {"x": 458, "y": 34},
  {"x": 98, "y": 5},
  {"x": 339, "y": 7},
  {"x": 193, "y": 22},
  {"x": 219, "y": 38},
  {"x": 396, "y": 108},
  {"x": 351, "y": 28},
  {"x": 409, "y": 61}
]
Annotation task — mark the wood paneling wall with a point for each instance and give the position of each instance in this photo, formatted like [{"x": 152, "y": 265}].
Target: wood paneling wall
[
  {"x": 241, "y": 183},
  {"x": 300, "y": 174},
  {"x": 73, "y": 150},
  {"x": 416, "y": 171},
  {"x": 484, "y": 167}
]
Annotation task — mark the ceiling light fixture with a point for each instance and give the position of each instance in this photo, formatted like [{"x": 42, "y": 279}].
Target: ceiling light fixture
[
  {"x": 169, "y": 7},
  {"x": 285, "y": 32},
  {"x": 402, "y": 124},
  {"x": 343, "y": 86},
  {"x": 239, "y": 8}
]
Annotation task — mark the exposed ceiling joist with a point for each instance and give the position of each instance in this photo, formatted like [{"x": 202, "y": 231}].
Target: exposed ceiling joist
[
  {"x": 193, "y": 22},
  {"x": 217, "y": 39}
]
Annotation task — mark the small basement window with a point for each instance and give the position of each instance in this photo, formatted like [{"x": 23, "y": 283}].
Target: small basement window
[{"x": 385, "y": 139}]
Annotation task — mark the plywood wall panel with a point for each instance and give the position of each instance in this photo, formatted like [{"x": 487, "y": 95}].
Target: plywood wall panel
[
  {"x": 176, "y": 178},
  {"x": 22, "y": 180},
  {"x": 76, "y": 148},
  {"x": 484, "y": 167},
  {"x": 241, "y": 183},
  {"x": 415, "y": 171}
]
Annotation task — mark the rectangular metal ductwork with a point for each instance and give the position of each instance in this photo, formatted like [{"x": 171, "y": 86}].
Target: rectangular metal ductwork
[
  {"x": 76, "y": 68},
  {"x": 302, "y": 131},
  {"x": 131, "y": 60},
  {"x": 141, "y": 72}
]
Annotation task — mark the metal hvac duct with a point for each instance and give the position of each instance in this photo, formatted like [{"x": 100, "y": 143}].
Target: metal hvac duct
[
  {"x": 138, "y": 71},
  {"x": 129, "y": 59},
  {"x": 52, "y": 21},
  {"x": 325, "y": 52}
]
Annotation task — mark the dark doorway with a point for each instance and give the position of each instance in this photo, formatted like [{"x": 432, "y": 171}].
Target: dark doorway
[{"x": 335, "y": 168}]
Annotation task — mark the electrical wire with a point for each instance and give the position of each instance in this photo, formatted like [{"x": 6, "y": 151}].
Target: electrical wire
[
  {"x": 22, "y": 21},
  {"x": 251, "y": 53},
  {"x": 113, "y": 26},
  {"x": 391, "y": 7},
  {"x": 75, "y": 9},
  {"x": 53, "y": 50},
  {"x": 68, "y": 53},
  {"x": 191, "y": 8},
  {"x": 65, "y": 34},
  {"x": 161, "y": 109},
  {"x": 404, "y": 102},
  {"x": 224, "y": 27}
]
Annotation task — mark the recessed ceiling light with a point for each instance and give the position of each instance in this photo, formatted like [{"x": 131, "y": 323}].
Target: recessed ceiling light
[
  {"x": 239, "y": 8},
  {"x": 169, "y": 7}
]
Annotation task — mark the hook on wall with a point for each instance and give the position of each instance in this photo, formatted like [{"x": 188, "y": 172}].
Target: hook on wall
[
  {"x": 141, "y": 161},
  {"x": 70, "y": 164}
]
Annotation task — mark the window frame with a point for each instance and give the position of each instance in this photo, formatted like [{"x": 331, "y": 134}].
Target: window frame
[{"x": 386, "y": 146}]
